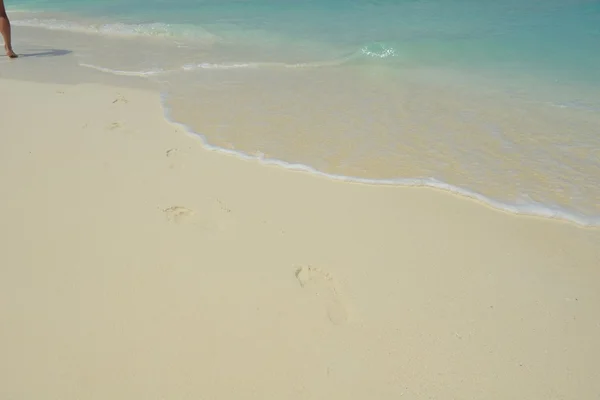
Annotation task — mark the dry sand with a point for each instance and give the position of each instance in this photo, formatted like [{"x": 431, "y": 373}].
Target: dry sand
[{"x": 135, "y": 264}]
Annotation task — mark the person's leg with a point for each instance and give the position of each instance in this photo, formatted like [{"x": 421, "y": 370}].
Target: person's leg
[{"x": 5, "y": 31}]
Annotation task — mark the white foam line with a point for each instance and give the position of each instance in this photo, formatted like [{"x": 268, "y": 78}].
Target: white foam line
[
  {"x": 126, "y": 73},
  {"x": 193, "y": 67},
  {"x": 156, "y": 30},
  {"x": 249, "y": 65},
  {"x": 201, "y": 66},
  {"x": 532, "y": 209}
]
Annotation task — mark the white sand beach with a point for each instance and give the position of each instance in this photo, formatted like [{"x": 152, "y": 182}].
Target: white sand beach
[{"x": 135, "y": 264}]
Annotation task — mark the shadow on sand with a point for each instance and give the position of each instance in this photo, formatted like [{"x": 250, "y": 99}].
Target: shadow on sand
[{"x": 46, "y": 53}]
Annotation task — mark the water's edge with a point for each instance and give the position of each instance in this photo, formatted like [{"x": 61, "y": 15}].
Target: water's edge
[
  {"x": 529, "y": 208},
  {"x": 535, "y": 210}
]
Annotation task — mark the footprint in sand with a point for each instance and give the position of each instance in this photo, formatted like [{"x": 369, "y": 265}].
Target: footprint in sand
[
  {"x": 324, "y": 286},
  {"x": 114, "y": 125},
  {"x": 219, "y": 220},
  {"x": 171, "y": 152},
  {"x": 224, "y": 220},
  {"x": 120, "y": 99},
  {"x": 178, "y": 214},
  {"x": 223, "y": 207}
]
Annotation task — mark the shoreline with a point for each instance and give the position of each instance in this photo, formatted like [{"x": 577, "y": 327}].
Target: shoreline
[
  {"x": 532, "y": 202},
  {"x": 534, "y": 209},
  {"x": 529, "y": 210},
  {"x": 139, "y": 265}
]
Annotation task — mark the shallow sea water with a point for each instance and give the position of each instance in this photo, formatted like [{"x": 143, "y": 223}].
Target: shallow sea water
[{"x": 497, "y": 101}]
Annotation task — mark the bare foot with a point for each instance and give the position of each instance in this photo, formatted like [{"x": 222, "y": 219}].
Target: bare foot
[{"x": 10, "y": 53}]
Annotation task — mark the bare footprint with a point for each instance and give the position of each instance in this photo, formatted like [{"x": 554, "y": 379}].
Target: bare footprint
[
  {"x": 171, "y": 152},
  {"x": 113, "y": 126},
  {"x": 178, "y": 214},
  {"x": 174, "y": 154},
  {"x": 223, "y": 218},
  {"x": 324, "y": 286},
  {"x": 223, "y": 207},
  {"x": 219, "y": 221},
  {"x": 120, "y": 99}
]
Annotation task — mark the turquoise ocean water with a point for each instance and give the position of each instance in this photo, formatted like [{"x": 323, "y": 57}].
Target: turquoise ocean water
[{"x": 498, "y": 100}]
